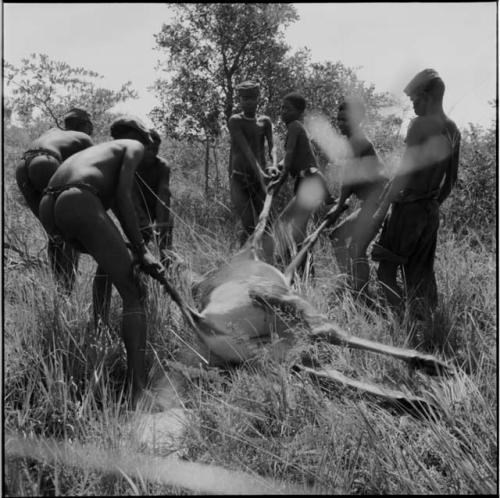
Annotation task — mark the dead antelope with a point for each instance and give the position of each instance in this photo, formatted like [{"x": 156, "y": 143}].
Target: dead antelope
[{"x": 239, "y": 316}]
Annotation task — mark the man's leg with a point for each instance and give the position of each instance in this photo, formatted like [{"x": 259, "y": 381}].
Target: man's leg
[
  {"x": 419, "y": 271},
  {"x": 244, "y": 207},
  {"x": 363, "y": 230},
  {"x": 339, "y": 237},
  {"x": 105, "y": 244},
  {"x": 101, "y": 296},
  {"x": 387, "y": 276},
  {"x": 63, "y": 259}
]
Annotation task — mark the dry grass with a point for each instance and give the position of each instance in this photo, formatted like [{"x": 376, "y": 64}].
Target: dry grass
[{"x": 63, "y": 381}]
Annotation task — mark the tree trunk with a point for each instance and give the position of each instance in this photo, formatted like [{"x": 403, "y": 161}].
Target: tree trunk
[
  {"x": 216, "y": 164},
  {"x": 207, "y": 151}
]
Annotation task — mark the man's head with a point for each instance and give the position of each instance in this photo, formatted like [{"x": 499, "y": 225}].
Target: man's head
[
  {"x": 350, "y": 114},
  {"x": 78, "y": 120},
  {"x": 293, "y": 107},
  {"x": 426, "y": 91},
  {"x": 248, "y": 93},
  {"x": 132, "y": 128}
]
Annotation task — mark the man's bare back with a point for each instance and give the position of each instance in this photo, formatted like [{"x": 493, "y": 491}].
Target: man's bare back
[
  {"x": 63, "y": 143},
  {"x": 98, "y": 166}
]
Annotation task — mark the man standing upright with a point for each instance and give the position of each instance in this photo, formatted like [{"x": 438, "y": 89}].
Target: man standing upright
[
  {"x": 364, "y": 177},
  {"x": 427, "y": 173},
  {"x": 247, "y": 159},
  {"x": 36, "y": 168}
]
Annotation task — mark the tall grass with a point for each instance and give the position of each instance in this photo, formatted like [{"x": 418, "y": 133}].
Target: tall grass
[{"x": 63, "y": 380}]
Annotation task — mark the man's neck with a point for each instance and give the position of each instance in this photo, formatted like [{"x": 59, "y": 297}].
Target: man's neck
[
  {"x": 249, "y": 115},
  {"x": 436, "y": 110}
]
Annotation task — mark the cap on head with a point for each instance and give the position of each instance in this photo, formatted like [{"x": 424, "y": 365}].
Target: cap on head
[
  {"x": 248, "y": 87},
  {"x": 420, "y": 82},
  {"x": 130, "y": 122},
  {"x": 297, "y": 100},
  {"x": 76, "y": 113}
]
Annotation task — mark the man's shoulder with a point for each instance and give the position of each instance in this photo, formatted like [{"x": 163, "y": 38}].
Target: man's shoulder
[
  {"x": 79, "y": 136},
  {"x": 236, "y": 118},
  {"x": 451, "y": 126},
  {"x": 421, "y": 128}
]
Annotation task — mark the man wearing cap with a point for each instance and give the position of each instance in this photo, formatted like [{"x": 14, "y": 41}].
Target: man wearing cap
[
  {"x": 364, "y": 177},
  {"x": 34, "y": 171},
  {"x": 152, "y": 191},
  {"x": 74, "y": 207},
  {"x": 247, "y": 158},
  {"x": 427, "y": 173}
]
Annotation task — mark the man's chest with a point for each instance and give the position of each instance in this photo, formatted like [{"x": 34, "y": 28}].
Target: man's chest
[{"x": 253, "y": 130}]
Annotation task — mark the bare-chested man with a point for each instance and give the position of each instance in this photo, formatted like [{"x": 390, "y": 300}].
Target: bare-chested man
[
  {"x": 425, "y": 178},
  {"x": 247, "y": 159},
  {"x": 363, "y": 176},
  {"x": 151, "y": 196},
  {"x": 300, "y": 163},
  {"x": 36, "y": 168},
  {"x": 74, "y": 207}
]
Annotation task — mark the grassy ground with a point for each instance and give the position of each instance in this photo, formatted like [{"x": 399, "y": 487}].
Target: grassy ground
[{"x": 62, "y": 379}]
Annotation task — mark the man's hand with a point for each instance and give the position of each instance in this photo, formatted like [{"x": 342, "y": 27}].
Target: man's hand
[
  {"x": 273, "y": 171},
  {"x": 149, "y": 265}
]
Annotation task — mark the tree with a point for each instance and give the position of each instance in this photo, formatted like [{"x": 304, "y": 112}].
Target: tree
[
  {"x": 42, "y": 90},
  {"x": 210, "y": 48}
]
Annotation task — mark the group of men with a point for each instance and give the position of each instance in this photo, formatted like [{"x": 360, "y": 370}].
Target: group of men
[
  {"x": 424, "y": 179},
  {"x": 70, "y": 184}
]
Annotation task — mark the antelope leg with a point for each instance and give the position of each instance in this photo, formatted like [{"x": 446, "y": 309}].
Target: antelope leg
[
  {"x": 394, "y": 399},
  {"x": 430, "y": 364}
]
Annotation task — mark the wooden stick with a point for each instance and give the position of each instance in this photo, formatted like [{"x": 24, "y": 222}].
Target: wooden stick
[{"x": 309, "y": 242}]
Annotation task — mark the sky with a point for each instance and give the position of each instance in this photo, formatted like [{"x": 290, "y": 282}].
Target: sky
[{"x": 388, "y": 42}]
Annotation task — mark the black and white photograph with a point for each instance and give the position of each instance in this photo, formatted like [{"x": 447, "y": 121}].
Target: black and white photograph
[{"x": 250, "y": 248}]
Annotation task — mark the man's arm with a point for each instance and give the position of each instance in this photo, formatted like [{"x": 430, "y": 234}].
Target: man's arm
[
  {"x": 143, "y": 215},
  {"x": 125, "y": 212},
  {"x": 410, "y": 160},
  {"x": 291, "y": 143},
  {"x": 124, "y": 204},
  {"x": 240, "y": 142},
  {"x": 31, "y": 196},
  {"x": 273, "y": 155},
  {"x": 164, "y": 218},
  {"x": 451, "y": 173}
]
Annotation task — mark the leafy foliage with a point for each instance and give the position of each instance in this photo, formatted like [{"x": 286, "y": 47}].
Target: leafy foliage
[
  {"x": 210, "y": 48},
  {"x": 42, "y": 90},
  {"x": 472, "y": 204}
]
